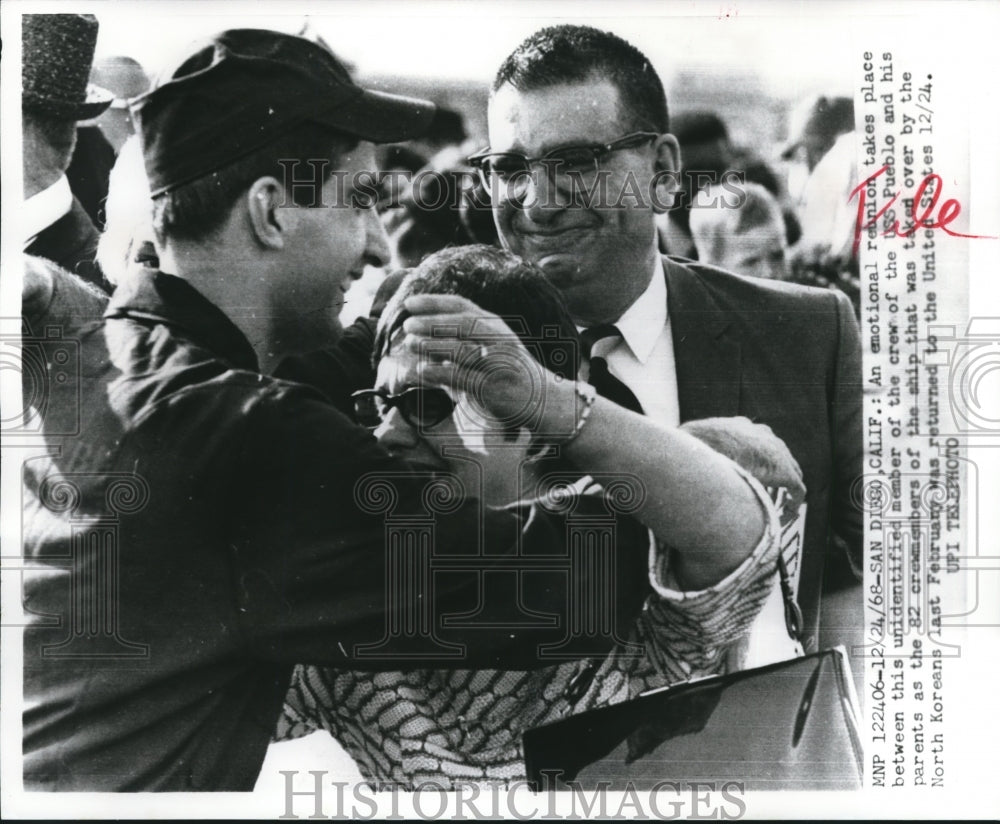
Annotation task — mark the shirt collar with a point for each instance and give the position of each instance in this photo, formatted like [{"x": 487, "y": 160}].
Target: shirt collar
[
  {"x": 44, "y": 208},
  {"x": 643, "y": 322},
  {"x": 151, "y": 295}
]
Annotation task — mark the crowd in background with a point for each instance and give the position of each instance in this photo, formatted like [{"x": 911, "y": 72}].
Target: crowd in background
[{"x": 735, "y": 208}]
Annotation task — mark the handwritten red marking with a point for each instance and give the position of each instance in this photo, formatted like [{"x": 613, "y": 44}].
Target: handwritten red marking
[{"x": 949, "y": 210}]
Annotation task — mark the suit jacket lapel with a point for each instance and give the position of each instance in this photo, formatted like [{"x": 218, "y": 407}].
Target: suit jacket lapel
[{"x": 707, "y": 358}]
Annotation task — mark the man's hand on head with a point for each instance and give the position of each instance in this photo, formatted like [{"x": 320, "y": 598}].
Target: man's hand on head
[{"x": 474, "y": 351}]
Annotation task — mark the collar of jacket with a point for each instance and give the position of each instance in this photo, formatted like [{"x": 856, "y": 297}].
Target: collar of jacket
[{"x": 156, "y": 297}]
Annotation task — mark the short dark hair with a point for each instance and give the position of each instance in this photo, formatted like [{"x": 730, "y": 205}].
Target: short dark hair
[
  {"x": 499, "y": 282},
  {"x": 576, "y": 54},
  {"x": 699, "y": 127},
  {"x": 193, "y": 211}
]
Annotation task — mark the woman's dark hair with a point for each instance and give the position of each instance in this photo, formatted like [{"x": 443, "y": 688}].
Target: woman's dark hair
[
  {"x": 504, "y": 284},
  {"x": 499, "y": 282}
]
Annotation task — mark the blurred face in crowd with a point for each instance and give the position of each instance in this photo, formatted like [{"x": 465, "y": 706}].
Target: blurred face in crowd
[
  {"x": 758, "y": 252},
  {"x": 601, "y": 254},
  {"x": 116, "y": 125},
  {"x": 445, "y": 430},
  {"x": 815, "y": 146},
  {"x": 747, "y": 237}
]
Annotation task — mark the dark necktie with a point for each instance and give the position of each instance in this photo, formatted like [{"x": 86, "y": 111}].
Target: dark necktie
[{"x": 607, "y": 385}]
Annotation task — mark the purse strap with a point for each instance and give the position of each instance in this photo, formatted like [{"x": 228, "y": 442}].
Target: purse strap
[{"x": 793, "y": 612}]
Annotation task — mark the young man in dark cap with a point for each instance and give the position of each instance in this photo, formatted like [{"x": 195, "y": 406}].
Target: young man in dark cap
[
  {"x": 57, "y": 51},
  {"x": 198, "y": 527}
]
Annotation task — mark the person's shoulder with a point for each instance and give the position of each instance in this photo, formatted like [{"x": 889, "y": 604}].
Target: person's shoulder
[
  {"x": 339, "y": 370},
  {"x": 279, "y": 400},
  {"x": 739, "y": 292},
  {"x": 296, "y": 411},
  {"x": 159, "y": 378}
]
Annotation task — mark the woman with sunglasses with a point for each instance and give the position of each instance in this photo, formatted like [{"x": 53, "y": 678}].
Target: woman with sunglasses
[{"x": 502, "y": 415}]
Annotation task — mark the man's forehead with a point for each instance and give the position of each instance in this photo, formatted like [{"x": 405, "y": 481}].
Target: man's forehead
[{"x": 541, "y": 119}]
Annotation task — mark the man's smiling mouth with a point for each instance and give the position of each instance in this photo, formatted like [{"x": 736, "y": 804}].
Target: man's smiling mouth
[{"x": 543, "y": 235}]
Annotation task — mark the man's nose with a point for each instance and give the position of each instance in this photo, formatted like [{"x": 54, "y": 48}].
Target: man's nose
[
  {"x": 540, "y": 198},
  {"x": 377, "y": 249},
  {"x": 395, "y": 433}
]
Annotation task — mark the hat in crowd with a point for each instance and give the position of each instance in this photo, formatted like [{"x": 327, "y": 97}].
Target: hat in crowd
[
  {"x": 123, "y": 76},
  {"x": 246, "y": 88},
  {"x": 698, "y": 127},
  {"x": 821, "y": 117},
  {"x": 56, "y": 53}
]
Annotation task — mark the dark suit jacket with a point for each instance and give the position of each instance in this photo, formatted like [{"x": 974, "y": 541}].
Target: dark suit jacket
[
  {"x": 790, "y": 357},
  {"x": 72, "y": 243}
]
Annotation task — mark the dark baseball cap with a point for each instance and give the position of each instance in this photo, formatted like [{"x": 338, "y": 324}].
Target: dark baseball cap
[{"x": 244, "y": 89}]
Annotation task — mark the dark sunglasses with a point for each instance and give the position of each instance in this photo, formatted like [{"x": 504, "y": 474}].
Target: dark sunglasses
[{"x": 421, "y": 407}]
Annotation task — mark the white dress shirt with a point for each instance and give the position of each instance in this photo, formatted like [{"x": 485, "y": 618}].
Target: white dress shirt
[
  {"x": 44, "y": 208},
  {"x": 643, "y": 357}
]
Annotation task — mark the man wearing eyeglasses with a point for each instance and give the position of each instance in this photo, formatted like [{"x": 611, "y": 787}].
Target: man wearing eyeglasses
[{"x": 579, "y": 163}]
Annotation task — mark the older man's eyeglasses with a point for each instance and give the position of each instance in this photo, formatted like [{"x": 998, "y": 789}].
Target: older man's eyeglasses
[
  {"x": 421, "y": 407},
  {"x": 505, "y": 175}
]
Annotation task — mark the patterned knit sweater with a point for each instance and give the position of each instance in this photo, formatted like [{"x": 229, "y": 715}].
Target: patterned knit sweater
[{"x": 441, "y": 727}]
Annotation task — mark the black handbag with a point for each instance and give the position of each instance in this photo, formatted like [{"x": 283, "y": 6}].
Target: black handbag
[{"x": 785, "y": 726}]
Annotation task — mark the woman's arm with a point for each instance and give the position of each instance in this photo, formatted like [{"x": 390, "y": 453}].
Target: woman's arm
[{"x": 695, "y": 499}]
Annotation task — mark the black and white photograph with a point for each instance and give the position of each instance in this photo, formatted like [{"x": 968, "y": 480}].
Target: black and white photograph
[{"x": 446, "y": 410}]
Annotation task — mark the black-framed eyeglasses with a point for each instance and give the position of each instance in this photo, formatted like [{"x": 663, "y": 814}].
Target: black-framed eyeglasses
[
  {"x": 421, "y": 407},
  {"x": 506, "y": 174}
]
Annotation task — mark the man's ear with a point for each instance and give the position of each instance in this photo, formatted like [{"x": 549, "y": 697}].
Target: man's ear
[
  {"x": 263, "y": 200},
  {"x": 667, "y": 172}
]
